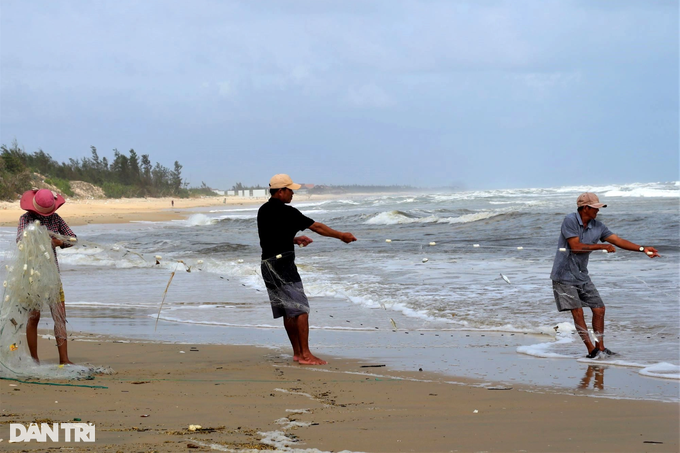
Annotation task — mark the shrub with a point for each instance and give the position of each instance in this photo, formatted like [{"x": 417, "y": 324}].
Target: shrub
[
  {"x": 116, "y": 190},
  {"x": 63, "y": 185}
]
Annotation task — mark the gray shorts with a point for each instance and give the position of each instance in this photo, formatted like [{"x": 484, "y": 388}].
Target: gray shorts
[
  {"x": 570, "y": 297},
  {"x": 284, "y": 286},
  {"x": 288, "y": 300}
]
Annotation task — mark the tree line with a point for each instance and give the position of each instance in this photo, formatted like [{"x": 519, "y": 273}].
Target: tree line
[{"x": 130, "y": 175}]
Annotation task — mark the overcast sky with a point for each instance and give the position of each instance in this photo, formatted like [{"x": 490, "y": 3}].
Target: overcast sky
[{"x": 477, "y": 94}]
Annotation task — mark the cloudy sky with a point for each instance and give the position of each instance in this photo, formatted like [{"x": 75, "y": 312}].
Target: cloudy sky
[{"x": 476, "y": 94}]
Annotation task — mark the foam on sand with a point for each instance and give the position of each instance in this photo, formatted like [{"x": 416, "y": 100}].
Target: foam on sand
[{"x": 662, "y": 370}]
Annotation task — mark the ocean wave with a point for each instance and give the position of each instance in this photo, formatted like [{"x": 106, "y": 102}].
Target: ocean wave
[
  {"x": 237, "y": 217},
  {"x": 652, "y": 189},
  {"x": 396, "y": 218},
  {"x": 199, "y": 220},
  {"x": 644, "y": 192},
  {"x": 400, "y": 218}
]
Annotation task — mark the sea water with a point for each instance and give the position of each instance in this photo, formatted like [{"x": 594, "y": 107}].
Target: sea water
[{"x": 425, "y": 265}]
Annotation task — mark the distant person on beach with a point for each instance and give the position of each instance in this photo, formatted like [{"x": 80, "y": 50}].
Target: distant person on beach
[
  {"x": 572, "y": 286},
  {"x": 277, "y": 225},
  {"x": 42, "y": 205},
  {"x": 172, "y": 202}
]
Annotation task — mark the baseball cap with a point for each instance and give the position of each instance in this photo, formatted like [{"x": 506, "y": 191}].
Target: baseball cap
[
  {"x": 282, "y": 180},
  {"x": 589, "y": 199}
]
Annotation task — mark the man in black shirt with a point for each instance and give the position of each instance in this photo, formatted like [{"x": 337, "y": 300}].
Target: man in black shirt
[{"x": 277, "y": 225}]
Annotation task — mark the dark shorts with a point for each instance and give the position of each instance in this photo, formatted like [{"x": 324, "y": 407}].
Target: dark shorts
[
  {"x": 570, "y": 297},
  {"x": 284, "y": 286}
]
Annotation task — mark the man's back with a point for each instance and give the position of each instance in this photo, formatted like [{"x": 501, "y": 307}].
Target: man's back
[{"x": 277, "y": 225}]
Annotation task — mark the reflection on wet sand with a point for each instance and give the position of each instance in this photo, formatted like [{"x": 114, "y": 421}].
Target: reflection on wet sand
[{"x": 594, "y": 374}]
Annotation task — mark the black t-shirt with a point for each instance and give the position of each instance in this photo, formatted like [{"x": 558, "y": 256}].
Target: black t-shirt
[{"x": 277, "y": 225}]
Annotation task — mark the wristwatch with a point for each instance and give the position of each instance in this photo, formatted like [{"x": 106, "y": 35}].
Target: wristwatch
[{"x": 642, "y": 249}]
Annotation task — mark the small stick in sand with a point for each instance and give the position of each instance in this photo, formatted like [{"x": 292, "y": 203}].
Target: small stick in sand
[{"x": 165, "y": 293}]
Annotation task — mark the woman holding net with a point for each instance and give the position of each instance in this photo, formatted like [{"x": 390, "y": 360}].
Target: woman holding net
[{"x": 41, "y": 206}]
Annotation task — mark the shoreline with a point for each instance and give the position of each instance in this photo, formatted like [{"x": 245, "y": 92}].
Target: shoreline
[
  {"x": 483, "y": 355},
  {"x": 490, "y": 359},
  {"x": 246, "y": 397},
  {"x": 79, "y": 212},
  {"x": 123, "y": 210}
]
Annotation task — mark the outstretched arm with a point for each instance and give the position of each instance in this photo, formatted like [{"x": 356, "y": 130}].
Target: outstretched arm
[
  {"x": 627, "y": 245},
  {"x": 577, "y": 247},
  {"x": 324, "y": 230}
]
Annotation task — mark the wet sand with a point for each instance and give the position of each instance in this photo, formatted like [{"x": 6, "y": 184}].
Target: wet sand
[{"x": 255, "y": 398}]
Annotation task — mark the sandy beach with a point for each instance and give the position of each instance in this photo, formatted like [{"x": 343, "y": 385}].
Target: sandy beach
[
  {"x": 249, "y": 398},
  {"x": 83, "y": 212}
]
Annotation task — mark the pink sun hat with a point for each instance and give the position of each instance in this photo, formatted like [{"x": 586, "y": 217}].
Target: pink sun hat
[{"x": 42, "y": 202}]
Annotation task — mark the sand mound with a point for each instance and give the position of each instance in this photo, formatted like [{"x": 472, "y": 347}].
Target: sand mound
[{"x": 82, "y": 189}]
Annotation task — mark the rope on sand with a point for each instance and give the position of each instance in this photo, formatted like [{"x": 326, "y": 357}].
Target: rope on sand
[{"x": 54, "y": 383}]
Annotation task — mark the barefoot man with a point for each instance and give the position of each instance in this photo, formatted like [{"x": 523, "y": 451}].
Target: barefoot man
[
  {"x": 277, "y": 225},
  {"x": 572, "y": 287}
]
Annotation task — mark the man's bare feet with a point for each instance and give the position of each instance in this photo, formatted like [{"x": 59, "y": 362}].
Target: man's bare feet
[
  {"x": 311, "y": 360},
  {"x": 68, "y": 362},
  {"x": 296, "y": 358}
]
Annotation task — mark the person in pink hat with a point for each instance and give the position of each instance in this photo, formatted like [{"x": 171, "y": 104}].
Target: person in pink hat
[
  {"x": 572, "y": 287},
  {"x": 42, "y": 205}
]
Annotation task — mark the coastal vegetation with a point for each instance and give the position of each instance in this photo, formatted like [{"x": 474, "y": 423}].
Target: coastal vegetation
[{"x": 130, "y": 175}]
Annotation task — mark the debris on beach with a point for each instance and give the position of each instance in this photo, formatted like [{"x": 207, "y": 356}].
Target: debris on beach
[
  {"x": 507, "y": 280},
  {"x": 165, "y": 293}
]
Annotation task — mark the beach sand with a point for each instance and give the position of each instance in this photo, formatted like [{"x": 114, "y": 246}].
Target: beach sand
[
  {"x": 257, "y": 398},
  {"x": 246, "y": 397},
  {"x": 123, "y": 210}
]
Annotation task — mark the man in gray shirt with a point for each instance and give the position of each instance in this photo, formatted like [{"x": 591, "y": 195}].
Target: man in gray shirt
[{"x": 572, "y": 286}]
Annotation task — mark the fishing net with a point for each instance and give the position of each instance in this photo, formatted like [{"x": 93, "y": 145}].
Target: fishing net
[
  {"x": 284, "y": 285},
  {"x": 33, "y": 284}
]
